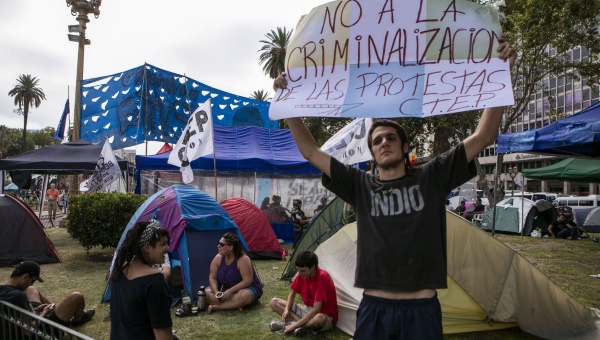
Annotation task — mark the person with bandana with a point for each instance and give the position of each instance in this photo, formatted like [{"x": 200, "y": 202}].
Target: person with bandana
[{"x": 139, "y": 301}]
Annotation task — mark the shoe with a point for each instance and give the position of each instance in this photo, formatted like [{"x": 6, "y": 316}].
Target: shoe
[
  {"x": 301, "y": 331},
  {"x": 88, "y": 314},
  {"x": 276, "y": 325}
]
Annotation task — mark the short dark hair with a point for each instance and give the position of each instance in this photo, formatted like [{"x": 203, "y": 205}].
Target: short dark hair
[{"x": 307, "y": 259}]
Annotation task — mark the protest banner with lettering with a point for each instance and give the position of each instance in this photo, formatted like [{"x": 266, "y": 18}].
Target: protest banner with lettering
[
  {"x": 196, "y": 141},
  {"x": 386, "y": 58},
  {"x": 349, "y": 145},
  {"x": 107, "y": 170}
]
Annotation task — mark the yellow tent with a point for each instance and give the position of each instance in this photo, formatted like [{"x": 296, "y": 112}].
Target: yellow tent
[{"x": 490, "y": 287}]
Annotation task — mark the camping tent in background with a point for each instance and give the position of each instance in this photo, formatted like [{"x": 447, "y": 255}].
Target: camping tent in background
[
  {"x": 503, "y": 290},
  {"x": 568, "y": 170},
  {"x": 510, "y": 213},
  {"x": 320, "y": 228},
  {"x": 165, "y": 148},
  {"x": 195, "y": 223},
  {"x": 588, "y": 219},
  {"x": 22, "y": 235},
  {"x": 574, "y": 136},
  {"x": 255, "y": 228},
  {"x": 11, "y": 186}
]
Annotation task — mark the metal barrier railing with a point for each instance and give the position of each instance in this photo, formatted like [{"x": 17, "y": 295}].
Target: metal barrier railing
[{"x": 17, "y": 323}]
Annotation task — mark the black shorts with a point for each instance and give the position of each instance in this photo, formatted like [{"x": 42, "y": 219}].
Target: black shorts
[{"x": 379, "y": 318}]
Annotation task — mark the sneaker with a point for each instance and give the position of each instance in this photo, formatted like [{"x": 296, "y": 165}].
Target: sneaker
[
  {"x": 301, "y": 331},
  {"x": 88, "y": 314},
  {"x": 276, "y": 325}
]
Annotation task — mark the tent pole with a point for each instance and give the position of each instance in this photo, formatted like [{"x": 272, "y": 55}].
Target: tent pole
[
  {"x": 495, "y": 193},
  {"x": 43, "y": 194},
  {"x": 2, "y": 179},
  {"x": 146, "y": 109}
]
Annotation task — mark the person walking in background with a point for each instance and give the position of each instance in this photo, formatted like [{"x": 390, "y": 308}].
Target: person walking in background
[
  {"x": 233, "y": 281},
  {"x": 401, "y": 220},
  {"x": 139, "y": 302},
  {"x": 316, "y": 287},
  {"x": 65, "y": 201},
  {"x": 52, "y": 199}
]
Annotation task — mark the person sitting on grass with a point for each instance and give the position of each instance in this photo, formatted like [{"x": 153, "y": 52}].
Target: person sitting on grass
[
  {"x": 318, "y": 293},
  {"x": 233, "y": 282},
  {"x": 563, "y": 228},
  {"x": 20, "y": 291}
]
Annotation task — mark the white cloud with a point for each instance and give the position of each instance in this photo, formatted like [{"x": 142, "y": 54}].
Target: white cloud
[{"x": 214, "y": 42}]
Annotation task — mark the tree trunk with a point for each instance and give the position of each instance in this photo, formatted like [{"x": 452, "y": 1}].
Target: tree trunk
[
  {"x": 24, "y": 142},
  {"x": 441, "y": 140}
]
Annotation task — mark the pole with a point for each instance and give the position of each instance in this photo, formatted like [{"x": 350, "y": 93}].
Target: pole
[
  {"x": 83, "y": 20},
  {"x": 495, "y": 195}
]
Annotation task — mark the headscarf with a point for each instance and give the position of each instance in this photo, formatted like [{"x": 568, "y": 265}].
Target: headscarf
[{"x": 149, "y": 233}]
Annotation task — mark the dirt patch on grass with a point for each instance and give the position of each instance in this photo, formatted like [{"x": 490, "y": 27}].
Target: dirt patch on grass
[{"x": 98, "y": 257}]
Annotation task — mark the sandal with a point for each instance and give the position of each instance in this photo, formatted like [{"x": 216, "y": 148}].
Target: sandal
[{"x": 186, "y": 311}]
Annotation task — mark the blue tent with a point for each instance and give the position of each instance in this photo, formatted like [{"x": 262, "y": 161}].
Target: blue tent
[
  {"x": 243, "y": 149},
  {"x": 195, "y": 222},
  {"x": 574, "y": 136}
]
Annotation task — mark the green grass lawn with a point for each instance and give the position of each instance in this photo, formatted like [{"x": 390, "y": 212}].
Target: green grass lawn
[{"x": 568, "y": 263}]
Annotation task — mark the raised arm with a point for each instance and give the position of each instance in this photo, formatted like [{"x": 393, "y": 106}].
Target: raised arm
[
  {"x": 304, "y": 140},
  {"x": 487, "y": 129}
]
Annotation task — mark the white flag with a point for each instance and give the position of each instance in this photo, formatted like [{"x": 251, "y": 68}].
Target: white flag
[
  {"x": 349, "y": 145},
  {"x": 195, "y": 141},
  {"x": 107, "y": 170}
]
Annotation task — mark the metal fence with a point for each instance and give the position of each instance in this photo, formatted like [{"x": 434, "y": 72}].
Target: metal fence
[{"x": 16, "y": 324}]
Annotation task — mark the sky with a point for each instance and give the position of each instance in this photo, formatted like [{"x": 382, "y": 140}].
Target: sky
[{"x": 215, "y": 43}]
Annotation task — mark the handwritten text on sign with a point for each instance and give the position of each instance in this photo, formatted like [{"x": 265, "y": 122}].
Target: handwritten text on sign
[{"x": 392, "y": 58}]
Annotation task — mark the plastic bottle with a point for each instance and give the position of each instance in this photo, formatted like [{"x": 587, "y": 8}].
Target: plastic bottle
[
  {"x": 201, "y": 302},
  {"x": 185, "y": 298}
]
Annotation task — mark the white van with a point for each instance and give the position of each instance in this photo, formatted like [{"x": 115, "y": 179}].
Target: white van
[{"x": 579, "y": 202}]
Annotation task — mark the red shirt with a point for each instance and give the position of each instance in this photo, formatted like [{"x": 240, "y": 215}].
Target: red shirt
[
  {"x": 53, "y": 193},
  {"x": 319, "y": 288}
]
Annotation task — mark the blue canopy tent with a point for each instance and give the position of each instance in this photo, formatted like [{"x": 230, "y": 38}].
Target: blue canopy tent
[
  {"x": 242, "y": 149},
  {"x": 147, "y": 103},
  {"x": 575, "y": 136}
]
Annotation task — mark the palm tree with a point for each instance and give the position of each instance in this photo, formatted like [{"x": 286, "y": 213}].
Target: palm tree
[
  {"x": 27, "y": 95},
  {"x": 260, "y": 95},
  {"x": 273, "y": 51}
]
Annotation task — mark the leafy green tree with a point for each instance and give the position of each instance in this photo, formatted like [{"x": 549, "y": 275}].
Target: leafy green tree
[
  {"x": 43, "y": 137},
  {"x": 27, "y": 95},
  {"x": 261, "y": 95},
  {"x": 273, "y": 51}
]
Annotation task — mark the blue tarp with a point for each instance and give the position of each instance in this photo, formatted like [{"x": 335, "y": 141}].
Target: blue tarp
[
  {"x": 243, "y": 149},
  {"x": 148, "y": 103},
  {"x": 575, "y": 136}
]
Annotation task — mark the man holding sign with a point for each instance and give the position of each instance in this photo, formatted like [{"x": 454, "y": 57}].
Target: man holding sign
[{"x": 401, "y": 221}]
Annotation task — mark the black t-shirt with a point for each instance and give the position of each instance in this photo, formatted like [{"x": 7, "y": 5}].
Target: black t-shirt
[
  {"x": 14, "y": 295},
  {"x": 401, "y": 244},
  {"x": 139, "y": 306}
]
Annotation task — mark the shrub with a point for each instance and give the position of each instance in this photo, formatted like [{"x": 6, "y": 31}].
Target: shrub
[{"x": 99, "y": 219}]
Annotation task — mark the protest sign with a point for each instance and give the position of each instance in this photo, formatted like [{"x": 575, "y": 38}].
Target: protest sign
[
  {"x": 386, "y": 58},
  {"x": 196, "y": 140}
]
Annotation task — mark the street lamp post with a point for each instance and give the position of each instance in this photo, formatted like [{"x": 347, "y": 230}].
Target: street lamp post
[
  {"x": 512, "y": 172},
  {"x": 80, "y": 9}
]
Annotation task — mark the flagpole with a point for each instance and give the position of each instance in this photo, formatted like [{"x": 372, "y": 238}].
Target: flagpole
[
  {"x": 69, "y": 115},
  {"x": 146, "y": 108}
]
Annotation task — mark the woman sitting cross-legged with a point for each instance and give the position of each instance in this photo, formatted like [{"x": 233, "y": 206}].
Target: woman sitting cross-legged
[{"x": 233, "y": 281}]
